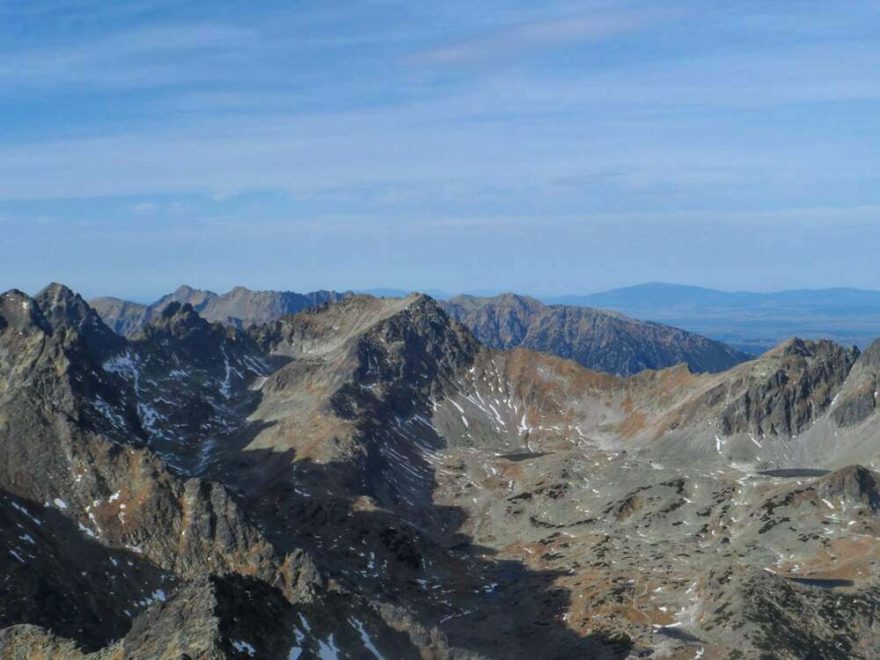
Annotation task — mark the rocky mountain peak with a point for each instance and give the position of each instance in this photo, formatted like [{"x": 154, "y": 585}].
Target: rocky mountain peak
[
  {"x": 185, "y": 292},
  {"x": 518, "y": 300},
  {"x": 796, "y": 346},
  {"x": 412, "y": 354},
  {"x": 785, "y": 390},
  {"x": 20, "y": 312},
  {"x": 813, "y": 348},
  {"x": 870, "y": 358},
  {"x": 853, "y": 483},
  {"x": 177, "y": 319},
  {"x": 68, "y": 313},
  {"x": 61, "y": 306},
  {"x": 858, "y": 399},
  {"x": 198, "y": 298},
  {"x": 423, "y": 316}
]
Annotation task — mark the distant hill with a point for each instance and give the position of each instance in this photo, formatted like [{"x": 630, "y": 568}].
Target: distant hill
[
  {"x": 599, "y": 340},
  {"x": 239, "y": 307},
  {"x": 750, "y": 321}
]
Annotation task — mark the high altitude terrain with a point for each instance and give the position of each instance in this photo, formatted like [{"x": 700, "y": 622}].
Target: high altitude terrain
[
  {"x": 604, "y": 341},
  {"x": 240, "y": 307},
  {"x": 366, "y": 479},
  {"x": 600, "y": 340}
]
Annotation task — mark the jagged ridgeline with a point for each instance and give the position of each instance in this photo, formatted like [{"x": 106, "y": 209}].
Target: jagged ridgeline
[
  {"x": 239, "y": 307},
  {"x": 367, "y": 478},
  {"x": 597, "y": 339}
]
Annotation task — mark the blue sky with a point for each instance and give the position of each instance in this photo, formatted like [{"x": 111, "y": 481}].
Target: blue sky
[{"x": 559, "y": 147}]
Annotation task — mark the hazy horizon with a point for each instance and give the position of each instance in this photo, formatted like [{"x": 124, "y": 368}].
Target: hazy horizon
[{"x": 436, "y": 293}]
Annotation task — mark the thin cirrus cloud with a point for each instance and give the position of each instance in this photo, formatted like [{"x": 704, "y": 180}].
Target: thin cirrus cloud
[
  {"x": 135, "y": 58},
  {"x": 511, "y": 40}
]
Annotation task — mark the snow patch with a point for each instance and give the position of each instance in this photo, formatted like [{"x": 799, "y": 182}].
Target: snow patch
[
  {"x": 328, "y": 650},
  {"x": 85, "y": 530},
  {"x": 226, "y": 386},
  {"x": 244, "y": 647},
  {"x": 27, "y": 513},
  {"x": 365, "y": 638}
]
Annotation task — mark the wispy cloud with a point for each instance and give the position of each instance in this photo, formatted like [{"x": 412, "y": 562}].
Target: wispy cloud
[
  {"x": 142, "y": 208},
  {"x": 536, "y": 35},
  {"x": 136, "y": 58}
]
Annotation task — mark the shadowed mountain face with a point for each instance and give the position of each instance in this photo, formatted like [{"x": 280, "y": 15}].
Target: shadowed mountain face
[
  {"x": 240, "y": 307},
  {"x": 366, "y": 479},
  {"x": 604, "y": 341}
]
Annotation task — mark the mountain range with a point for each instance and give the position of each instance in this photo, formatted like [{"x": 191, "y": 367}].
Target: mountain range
[
  {"x": 601, "y": 340},
  {"x": 240, "y": 307},
  {"x": 597, "y": 339},
  {"x": 749, "y": 321},
  {"x": 365, "y": 478}
]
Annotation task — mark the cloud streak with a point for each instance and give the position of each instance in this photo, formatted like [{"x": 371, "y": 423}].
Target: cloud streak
[
  {"x": 534, "y": 35},
  {"x": 141, "y": 58}
]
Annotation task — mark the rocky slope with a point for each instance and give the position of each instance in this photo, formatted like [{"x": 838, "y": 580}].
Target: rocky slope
[
  {"x": 600, "y": 340},
  {"x": 239, "y": 307},
  {"x": 100, "y": 533},
  {"x": 366, "y": 479}
]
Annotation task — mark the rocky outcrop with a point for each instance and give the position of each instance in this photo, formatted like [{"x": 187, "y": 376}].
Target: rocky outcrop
[
  {"x": 774, "y": 616},
  {"x": 412, "y": 354},
  {"x": 855, "y": 484},
  {"x": 67, "y": 313},
  {"x": 229, "y": 616},
  {"x": 104, "y": 491},
  {"x": 225, "y": 616},
  {"x": 784, "y": 391},
  {"x": 59, "y": 575},
  {"x": 857, "y": 401}
]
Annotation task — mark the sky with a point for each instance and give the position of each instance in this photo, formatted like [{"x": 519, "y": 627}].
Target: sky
[{"x": 546, "y": 148}]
